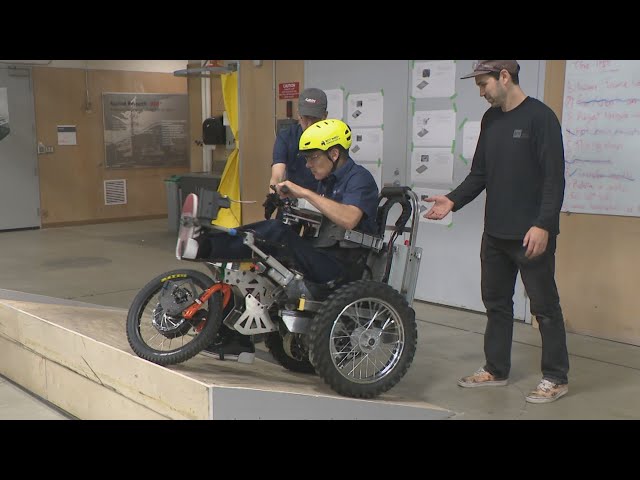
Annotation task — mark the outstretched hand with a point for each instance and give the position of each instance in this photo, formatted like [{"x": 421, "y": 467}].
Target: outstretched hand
[{"x": 441, "y": 207}]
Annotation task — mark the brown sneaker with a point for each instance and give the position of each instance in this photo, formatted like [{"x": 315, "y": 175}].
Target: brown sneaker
[
  {"x": 481, "y": 378},
  {"x": 546, "y": 392}
]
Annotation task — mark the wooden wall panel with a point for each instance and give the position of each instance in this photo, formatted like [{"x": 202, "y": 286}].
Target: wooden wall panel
[
  {"x": 597, "y": 259},
  {"x": 71, "y": 178},
  {"x": 259, "y": 108}
]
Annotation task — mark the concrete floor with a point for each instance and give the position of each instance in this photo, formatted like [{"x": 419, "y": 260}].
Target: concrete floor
[{"x": 106, "y": 264}]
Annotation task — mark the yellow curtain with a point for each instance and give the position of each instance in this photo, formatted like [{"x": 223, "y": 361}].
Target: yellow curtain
[{"x": 230, "y": 181}]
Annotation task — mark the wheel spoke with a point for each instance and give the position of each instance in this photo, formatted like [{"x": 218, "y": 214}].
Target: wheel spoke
[{"x": 375, "y": 335}]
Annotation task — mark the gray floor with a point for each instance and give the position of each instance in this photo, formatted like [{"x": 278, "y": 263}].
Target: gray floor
[{"x": 106, "y": 264}]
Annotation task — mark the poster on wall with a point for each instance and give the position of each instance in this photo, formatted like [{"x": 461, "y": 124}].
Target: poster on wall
[
  {"x": 145, "y": 130},
  {"x": 335, "y": 103},
  {"x": 433, "y": 79},
  {"x": 4, "y": 114}
]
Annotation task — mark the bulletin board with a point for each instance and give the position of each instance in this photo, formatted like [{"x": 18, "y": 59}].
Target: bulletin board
[{"x": 146, "y": 130}]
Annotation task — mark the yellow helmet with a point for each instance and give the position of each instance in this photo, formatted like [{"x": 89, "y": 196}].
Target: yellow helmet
[{"x": 325, "y": 134}]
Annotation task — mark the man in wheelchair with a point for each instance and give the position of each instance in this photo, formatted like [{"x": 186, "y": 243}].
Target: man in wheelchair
[{"x": 347, "y": 197}]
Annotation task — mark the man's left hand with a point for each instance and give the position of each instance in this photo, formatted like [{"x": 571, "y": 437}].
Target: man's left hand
[
  {"x": 270, "y": 205},
  {"x": 535, "y": 241}
]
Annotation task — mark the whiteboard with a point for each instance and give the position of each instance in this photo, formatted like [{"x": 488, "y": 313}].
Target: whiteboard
[{"x": 601, "y": 133}]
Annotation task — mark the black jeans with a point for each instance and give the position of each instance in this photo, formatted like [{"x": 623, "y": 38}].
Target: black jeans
[
  {"x": 316, "y": 264},
  {"x": 501, "y": 259}
]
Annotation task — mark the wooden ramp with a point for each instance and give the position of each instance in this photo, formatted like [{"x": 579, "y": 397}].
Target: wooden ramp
[{"x": 77, "y": 357}]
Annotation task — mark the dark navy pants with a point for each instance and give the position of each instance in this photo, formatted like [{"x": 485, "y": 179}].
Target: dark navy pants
[
  {"x": 316, "y": 264},
  {"x": 501, "y": 259}
]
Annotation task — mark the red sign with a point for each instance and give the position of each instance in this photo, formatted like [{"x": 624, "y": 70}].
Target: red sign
[{"x": 289, "y": 90}]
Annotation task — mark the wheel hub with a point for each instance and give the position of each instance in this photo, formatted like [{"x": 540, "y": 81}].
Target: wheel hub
[{"x": 365, "y": 340}]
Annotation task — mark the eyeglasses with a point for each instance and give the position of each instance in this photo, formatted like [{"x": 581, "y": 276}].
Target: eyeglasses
[{"x": 314, "y": 157}]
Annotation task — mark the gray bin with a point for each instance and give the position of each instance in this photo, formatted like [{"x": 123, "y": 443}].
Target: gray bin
[{"x": 179, "y": 186}]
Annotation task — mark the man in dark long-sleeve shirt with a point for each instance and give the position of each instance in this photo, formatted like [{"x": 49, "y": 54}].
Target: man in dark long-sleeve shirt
[{"x": 519, "y": 161}]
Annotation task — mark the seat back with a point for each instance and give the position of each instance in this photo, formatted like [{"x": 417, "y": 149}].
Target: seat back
[
  {"x": 379, "y": 262},
  {"x": 389, "y": 196}
]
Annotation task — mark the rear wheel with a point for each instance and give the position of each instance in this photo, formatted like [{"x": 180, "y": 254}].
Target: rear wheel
[
  {"x": 289, "y": 352},
  {"x": 156, "y": 329}
]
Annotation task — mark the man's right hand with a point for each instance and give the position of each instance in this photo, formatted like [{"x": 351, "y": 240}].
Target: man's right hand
[
  {"x": 291, "y": 190},
  {"x": 441, "y": 207}
]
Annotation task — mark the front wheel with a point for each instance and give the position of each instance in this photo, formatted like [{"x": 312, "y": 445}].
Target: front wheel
[
  {"x": 363, "y": 340},
  {"x": 156, "y": 329}
]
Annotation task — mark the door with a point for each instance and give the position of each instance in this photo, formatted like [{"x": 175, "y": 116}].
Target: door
[{"x": 19, "y": 184}]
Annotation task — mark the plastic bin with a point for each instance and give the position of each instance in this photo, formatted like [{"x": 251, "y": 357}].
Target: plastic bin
[{"x": 179, "y": 186}]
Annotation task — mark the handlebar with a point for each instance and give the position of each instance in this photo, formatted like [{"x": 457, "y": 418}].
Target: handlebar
[{"x": 284, "y": 189}]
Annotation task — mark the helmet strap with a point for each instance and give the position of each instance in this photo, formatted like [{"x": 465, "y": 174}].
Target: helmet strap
[{"x": 335, "y": 164}]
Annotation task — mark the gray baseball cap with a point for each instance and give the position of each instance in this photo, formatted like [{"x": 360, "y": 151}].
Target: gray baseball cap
[
  {"x": 312, "y": 103},
  {"x": 481, "y": 67}
]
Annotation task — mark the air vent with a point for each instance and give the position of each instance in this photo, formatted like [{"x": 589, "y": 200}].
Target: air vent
[{"x": 115, "y": 192}]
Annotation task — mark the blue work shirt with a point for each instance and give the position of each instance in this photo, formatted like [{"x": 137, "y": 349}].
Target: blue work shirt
[
  {"x": 285, "y": 150},
  {"x": 354, "y": 185}
]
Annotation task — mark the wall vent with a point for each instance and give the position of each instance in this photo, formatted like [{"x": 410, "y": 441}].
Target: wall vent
[{"x": 115, "y": 192}]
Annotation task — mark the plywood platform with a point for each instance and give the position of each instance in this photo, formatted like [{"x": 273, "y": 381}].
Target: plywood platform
[{"x": 78, "y": 358}]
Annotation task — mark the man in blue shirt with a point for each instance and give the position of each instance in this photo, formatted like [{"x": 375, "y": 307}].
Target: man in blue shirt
[
  {"x": 347, "y": 196},
  {"x": 287, "y": 162}
]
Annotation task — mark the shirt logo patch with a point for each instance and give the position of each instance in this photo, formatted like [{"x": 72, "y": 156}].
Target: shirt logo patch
[{"x": 519, "y": 133}]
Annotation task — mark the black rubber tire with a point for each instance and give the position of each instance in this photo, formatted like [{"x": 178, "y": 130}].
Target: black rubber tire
[
  {"x": 191, "y": 349},
  {"x": 274, "y": 343},
  {"x": 319, "y": 338}
]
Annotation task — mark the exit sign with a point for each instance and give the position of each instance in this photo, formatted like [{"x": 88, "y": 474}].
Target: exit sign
[{"x": 289, "y": 90}]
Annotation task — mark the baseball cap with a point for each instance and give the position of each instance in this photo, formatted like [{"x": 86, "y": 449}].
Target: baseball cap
[
  {"x": 312, "y": 103},
  {"x": 480, "y": 67}
]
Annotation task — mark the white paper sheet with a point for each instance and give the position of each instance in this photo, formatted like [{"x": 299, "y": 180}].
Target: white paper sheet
[
  {"x": 433, "y": 79},
  {"x": 335, "y": 103},
  {"x": 365, "y": 109},
  {"x": 431, "y": 165},
  {"x": 434, "y": 128},
  {"x": 366, "y": 144},
  {"x": 67, "y": 135}
]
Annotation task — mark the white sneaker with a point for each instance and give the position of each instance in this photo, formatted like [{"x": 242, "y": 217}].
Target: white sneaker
[
  {"x": 481, "y": 378},
  {"x": 190, "y": 249},
  {"x": 187, "y": 246},
  {"x": 547, "y": 392}
]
